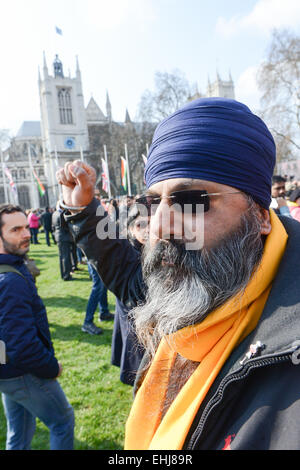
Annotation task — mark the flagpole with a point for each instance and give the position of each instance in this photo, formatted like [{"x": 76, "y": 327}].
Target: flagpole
[
  {"x": 105, "y": 158},
  {"x": 56, "y": 159},
  {"x": 54, "y": 180},
  {"x": 35, "y": 204},
  {"x": 54, "y": 168},
  {"x": 4, "y": 180},
  {"x": 17, "y": 194},
  {"x": 128, "y": 172}
]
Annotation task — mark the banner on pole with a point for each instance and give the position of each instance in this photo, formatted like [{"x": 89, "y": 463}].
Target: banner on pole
[
  {"x": 124, "y": 173},
  {"x": 104, "y": 176},
  {"x": 39, "y": 183},
  {"x": 12, "y": 184}
]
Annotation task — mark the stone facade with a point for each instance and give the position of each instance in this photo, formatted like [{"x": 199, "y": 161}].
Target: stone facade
[
  {"x": 221, "y": 88},
  {"x": 24, "y": 154}
]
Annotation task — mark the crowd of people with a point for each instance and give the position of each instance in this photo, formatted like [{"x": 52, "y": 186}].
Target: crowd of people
[
  {"x": 204, "y": 334},
  {"x": 286, "y": 196}
]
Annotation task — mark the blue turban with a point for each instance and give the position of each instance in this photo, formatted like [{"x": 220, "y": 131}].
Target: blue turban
[{"x": 214, "y": 139}]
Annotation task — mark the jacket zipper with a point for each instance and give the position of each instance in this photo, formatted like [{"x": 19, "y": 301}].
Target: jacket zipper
[{"x": 234, "y": 377}]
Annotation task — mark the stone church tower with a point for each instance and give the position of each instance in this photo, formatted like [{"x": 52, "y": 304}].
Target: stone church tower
[
  {"x": 221, "y": 88},
  {"x": 63, "y": 121}
]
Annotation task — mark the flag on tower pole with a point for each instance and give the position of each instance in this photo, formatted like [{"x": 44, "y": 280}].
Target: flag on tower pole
[
  {"x": 58, "y": 30},
  {"x": 39, "y": 184},
  {"x": 124, "y": 173}
]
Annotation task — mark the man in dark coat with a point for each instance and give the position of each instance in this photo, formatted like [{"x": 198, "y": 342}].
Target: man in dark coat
[
  {"x": 47, "y": 224},
  {"x": 216, "y": 299},
  {"x": 28, "y": 376},
  {"x": 65, "y": 243}
]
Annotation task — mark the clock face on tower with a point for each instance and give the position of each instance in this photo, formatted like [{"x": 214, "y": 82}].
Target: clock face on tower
[{"x": 69, "y": 143}]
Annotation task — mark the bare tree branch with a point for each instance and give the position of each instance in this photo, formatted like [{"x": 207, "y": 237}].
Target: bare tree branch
[
  {"x": 170, "y": 92},
  {"x": 279, "y": 81}
]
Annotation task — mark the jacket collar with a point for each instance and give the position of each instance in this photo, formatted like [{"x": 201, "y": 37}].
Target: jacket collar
[{"x": 11, "y": 259}]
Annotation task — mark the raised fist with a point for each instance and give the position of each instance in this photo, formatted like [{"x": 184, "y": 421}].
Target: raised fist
[{"x": 78, "y": 183}]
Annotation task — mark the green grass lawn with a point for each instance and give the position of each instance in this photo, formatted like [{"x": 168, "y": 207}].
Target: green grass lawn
[{"x": 100, "y": 401}]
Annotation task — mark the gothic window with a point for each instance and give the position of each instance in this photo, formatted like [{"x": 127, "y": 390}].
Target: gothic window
[
  {"x": 22, "y": 174},
  {"x": 68, "y": 99},
  {"x": 2, "y": 195},
  {"x": 65, "y": 106},
  {"x": 41, "y": 172},
  {"x": 14, "y": 174},
  {"x": 23, "y": 195}
]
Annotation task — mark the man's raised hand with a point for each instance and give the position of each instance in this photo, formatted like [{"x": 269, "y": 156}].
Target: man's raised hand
[{"x": 78, "y": 183}]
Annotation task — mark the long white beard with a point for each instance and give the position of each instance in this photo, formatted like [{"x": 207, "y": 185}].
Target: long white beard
[{"x": 198, "y": 281}]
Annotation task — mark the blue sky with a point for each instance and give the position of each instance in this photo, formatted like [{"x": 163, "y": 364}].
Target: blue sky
[{"x": 122, "y": 43}]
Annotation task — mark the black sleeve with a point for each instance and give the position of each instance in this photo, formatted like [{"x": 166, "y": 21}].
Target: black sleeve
[{"x": 115, "y": 259}]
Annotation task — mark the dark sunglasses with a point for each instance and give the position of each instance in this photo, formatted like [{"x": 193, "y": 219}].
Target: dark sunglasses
[{"x": 187, "y": 200}]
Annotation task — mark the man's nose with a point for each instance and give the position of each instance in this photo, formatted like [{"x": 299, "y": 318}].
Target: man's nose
[
  {"x": 166, "y": 222},
  {"x": 26, "y": 233}
]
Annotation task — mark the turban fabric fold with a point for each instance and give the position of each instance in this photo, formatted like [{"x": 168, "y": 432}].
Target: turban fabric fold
[{"x": 214, "y": 139}]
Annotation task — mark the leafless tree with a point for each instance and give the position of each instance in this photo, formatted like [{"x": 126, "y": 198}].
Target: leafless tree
[
  {"x": 279, "y": 81},
  {"x": 171, "y": 91},
  {"x": 5, "y": 138}
]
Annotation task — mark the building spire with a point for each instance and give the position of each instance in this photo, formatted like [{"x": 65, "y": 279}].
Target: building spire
[
  {"x": 78, "y": 73},
  {"x": 108, "y": 108},
  {"x": 58, "y": 67},
  {"x": 127, "y": 117},
  {"x": 45, "y": 68}
]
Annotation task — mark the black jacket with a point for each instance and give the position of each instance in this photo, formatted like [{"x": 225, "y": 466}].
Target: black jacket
[
  {"x": 60, "y": 228},
  {"x": 254, "y": 402},
  {"x": 47, "y": 220}
]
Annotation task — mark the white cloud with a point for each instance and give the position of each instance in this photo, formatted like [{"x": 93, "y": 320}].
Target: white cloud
[
  {"x": 265, "y": 15},
  {"x": 246, "y": 89}
]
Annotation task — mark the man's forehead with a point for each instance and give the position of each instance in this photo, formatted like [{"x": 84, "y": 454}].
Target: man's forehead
[
  {"x": 16, "y": 218},
  {"x": 173, "y": 184}
]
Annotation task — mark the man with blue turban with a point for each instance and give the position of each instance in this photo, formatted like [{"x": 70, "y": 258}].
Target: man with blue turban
[{"x": 215, "y": 300}]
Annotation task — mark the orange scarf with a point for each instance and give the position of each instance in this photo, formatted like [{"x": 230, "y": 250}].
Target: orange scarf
[{"x": 210, "y": 343}]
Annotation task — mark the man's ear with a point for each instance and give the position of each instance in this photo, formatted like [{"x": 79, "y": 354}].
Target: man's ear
[
  {"x": 265, "y": 221},
  {"x": 1, "y": 246}
]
